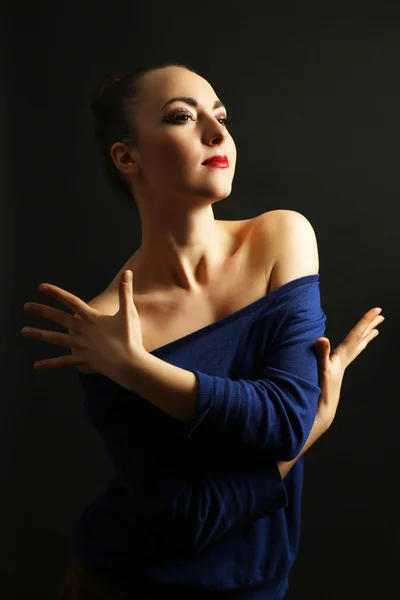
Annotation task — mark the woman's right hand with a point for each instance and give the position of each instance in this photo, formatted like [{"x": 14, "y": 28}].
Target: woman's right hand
[{"x": 331, "y": 367}]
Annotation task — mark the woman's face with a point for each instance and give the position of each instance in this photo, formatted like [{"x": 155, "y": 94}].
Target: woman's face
[{"x": 175, "y": 139}]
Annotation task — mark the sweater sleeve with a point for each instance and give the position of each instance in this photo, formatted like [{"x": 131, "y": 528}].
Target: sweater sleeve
[
  {"x": 274, "y": 413},
  {"x": 212, "y": 504},
  {"x": 185, "y": 509}
]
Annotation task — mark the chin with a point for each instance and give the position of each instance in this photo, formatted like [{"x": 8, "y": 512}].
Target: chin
[
  {"x": 209, "y": 191},
  {"x": 217, "y": 191}
]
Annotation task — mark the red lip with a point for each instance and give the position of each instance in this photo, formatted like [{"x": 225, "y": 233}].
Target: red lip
[{"x": 216, "y": 161}]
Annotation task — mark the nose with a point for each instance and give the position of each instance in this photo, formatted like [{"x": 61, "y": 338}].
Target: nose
[{"x": 214, "y": 132}]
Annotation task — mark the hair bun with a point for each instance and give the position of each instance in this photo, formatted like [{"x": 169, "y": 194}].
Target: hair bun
[{"x": 105, "y": 82}]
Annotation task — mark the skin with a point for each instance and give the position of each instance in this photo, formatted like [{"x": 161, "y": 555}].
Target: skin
[{"x": 182, "y": 246}]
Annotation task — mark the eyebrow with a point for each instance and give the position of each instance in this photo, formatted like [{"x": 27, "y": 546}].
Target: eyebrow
[{"x": 191, "y": 101}]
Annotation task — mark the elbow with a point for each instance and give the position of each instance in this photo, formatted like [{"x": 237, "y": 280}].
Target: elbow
[
  {"x": 295, "y": 442},
  {"x": 289, "y": 454},
  {"x": 297, "y": 430}
]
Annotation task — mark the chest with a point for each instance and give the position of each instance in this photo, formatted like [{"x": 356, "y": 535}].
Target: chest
[
  {"x": 165, "y": 322},
  {"x": 243, "y": 280}
]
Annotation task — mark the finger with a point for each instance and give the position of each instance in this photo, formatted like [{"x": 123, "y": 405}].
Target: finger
[
  {"x": 57, "y": 363},
  {"x": 52, "y": 337},
  {"x": 379, "y": 319},
  {"x": 367, "y": 319},
  {"x": 364, "y": 343},
  {"x": 126, "y": 291},
  {"x": 70, "y": 300},
  {"x": 366, "y": 337},
  {"x": 353, "y": 338},
  {"x": 54, "y": 314}
]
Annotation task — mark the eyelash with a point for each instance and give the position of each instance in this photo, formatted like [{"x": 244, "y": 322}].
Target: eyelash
[{"x": 182, "y": 113}]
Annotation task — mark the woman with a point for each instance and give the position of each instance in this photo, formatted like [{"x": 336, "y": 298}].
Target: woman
[{"x": 199, "y": 372}]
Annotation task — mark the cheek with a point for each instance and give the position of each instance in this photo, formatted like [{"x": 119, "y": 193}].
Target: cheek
[
  {"x": 232, "y": 148},
  {"x": 171, "y": 151}
]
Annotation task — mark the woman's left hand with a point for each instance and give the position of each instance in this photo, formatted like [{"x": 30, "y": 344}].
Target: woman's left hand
[{"x": 106, "y": 344}]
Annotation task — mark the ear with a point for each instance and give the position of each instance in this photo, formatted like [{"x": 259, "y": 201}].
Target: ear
[{"x": 125, "y": 158}]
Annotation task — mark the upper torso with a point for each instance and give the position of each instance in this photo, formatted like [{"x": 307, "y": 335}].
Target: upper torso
[
  {"x": 190, "y": 504},
  {"x": 246, "y": 276}
]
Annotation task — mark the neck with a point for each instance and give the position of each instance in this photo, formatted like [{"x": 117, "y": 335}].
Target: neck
[{"x": 181, "y": 251}]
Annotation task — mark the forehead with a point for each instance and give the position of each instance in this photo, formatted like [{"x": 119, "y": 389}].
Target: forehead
[{"x": 159, "y": 86}]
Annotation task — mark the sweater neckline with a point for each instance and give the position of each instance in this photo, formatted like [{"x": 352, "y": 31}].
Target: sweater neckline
[{"x": 240, "y": 312}]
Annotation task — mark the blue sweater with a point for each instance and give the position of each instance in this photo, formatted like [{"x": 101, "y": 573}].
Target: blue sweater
[{"x": 200, "y": 506}]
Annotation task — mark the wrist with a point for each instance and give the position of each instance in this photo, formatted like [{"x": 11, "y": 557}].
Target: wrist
[
  {"x": 323, "y": 420},
  {"x": 132, "y": 368}
]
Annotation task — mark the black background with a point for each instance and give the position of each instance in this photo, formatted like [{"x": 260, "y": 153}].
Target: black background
[{"x": 313, "y": 94}]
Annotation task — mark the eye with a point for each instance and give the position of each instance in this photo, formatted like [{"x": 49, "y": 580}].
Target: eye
[
  {"x": 176, "y": 116},
  {"x": 225, "y": 120},
  {"x": 182, "y": 115}
]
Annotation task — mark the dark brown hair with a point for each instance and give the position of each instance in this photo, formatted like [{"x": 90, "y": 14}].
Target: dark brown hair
[{"x": 111, "y": 104}]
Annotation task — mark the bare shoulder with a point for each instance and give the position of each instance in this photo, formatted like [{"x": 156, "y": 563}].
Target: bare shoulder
[{"x": 294, "y": 244}]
